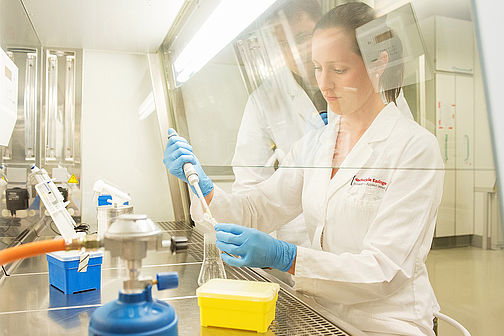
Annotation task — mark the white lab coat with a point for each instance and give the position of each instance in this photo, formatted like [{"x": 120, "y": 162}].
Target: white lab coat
[
  {"x": 371, "y": 225},
  {"x": 278, "y": 113}
]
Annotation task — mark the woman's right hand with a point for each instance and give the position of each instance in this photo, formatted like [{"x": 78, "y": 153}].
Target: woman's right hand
[{"x": 179, "y": 152}]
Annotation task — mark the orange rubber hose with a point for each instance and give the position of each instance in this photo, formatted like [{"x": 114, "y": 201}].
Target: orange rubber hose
[{"x": 30, "y": 250}]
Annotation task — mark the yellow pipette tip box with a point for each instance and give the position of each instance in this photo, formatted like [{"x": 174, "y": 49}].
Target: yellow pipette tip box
[{"x": 237, "y": 304}]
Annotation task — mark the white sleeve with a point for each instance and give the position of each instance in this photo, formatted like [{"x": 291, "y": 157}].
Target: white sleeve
[
  {"x": 268, "y": 206},
  {"x": 253, "y": 148},
  {"x": 399, "y": 236}
]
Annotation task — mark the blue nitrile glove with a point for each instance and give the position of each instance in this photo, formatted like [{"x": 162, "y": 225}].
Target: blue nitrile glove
[
  {"x": 323, "y": 115},
  {"x": 177, "y": 152},
  {"x": 256, "y": 248}
]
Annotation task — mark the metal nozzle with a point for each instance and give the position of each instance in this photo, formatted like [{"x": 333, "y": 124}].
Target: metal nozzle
[{"x": 87, "y": 242}]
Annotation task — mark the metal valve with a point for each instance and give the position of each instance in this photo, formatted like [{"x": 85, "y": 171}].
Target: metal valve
[{"x": 130, "y": 237}]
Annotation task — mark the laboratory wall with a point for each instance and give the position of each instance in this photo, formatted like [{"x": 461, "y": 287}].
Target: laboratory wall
[{"x": 116, "y": 145}]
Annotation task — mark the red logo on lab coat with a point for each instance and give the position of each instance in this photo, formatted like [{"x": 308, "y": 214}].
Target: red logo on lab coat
[{"x": 370, "y": 181}]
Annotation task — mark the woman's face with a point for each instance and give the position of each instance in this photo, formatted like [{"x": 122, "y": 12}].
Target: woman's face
[{"x": 340, "y": 72}]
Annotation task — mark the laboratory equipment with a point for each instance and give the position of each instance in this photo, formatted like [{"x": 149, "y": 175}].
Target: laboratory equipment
[
  {"x": 53, "y": 201},
  {"x": 30, "y": 105},
  {"x": 72, "y": 272},
  {"x": 28, "y": 250},
  {"x": 64, "y": 193},
  {"x": 16, "y": 199},
  {"x": 69, "y": 108},
  {"x": 237, "y": 304},
  {"x": 67, "y": 270},
  {"x": 212, "y": 266},
  {"x": 61, "y": 122},
  {"x": 53, "y": 118},
  {"x": 136, "y": 312},
  {"x": 16, "y": 194},
  {"x": 60, "y": 177},
  {"x": 193, "y": 180},
  {"x": 111, "y": 204}
]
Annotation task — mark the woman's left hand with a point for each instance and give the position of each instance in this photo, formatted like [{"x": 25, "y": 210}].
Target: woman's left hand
[{"x": 256, "y": 248}]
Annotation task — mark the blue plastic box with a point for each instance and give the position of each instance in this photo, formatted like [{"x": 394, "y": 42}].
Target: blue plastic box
[{"x": 64, "y": 276}]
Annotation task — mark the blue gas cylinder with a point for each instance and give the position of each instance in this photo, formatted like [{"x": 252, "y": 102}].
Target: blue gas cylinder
[{"x": 134, "y": 314}]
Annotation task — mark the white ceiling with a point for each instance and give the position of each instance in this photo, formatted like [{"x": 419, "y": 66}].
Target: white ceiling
[
  {"x": 120, "y": 25},
  {"x": 141, "y": 25},
  {"x": 458, "y": 9}
]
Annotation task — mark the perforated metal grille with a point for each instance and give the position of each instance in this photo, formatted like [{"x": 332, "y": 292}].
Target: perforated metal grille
[
  {"x": 174, "y": 225},
  {"x": 293, "y": 317}
]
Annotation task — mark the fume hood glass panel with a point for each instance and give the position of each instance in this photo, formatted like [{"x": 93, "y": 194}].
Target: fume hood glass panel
[
  {"x": 267, "y": 97},
  {"x": 270, "y": 83}
]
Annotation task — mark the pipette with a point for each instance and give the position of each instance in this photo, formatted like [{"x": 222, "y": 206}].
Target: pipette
[
  {"x": 54, "y": 203},
  {"x": 193, "y": 179}
]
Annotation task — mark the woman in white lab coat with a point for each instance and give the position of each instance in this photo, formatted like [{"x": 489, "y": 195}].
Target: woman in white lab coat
[
  {"x": 369, "y": 185},
  {"x": 280, "y": 111}
]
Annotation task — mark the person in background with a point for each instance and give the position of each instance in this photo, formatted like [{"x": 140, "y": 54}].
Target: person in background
[
  {"x": 369, "y": 185},
  {"x": 282, "y": 109}
]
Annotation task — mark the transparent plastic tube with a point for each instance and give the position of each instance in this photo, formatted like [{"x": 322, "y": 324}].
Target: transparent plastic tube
[
  {"x": 52, "y": 107},
  {"x": 69, "y": 108},
  {"x": 30, "y": 105}
]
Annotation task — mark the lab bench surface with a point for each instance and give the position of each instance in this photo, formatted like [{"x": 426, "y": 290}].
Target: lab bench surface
[{"x": 30, "y": 306}]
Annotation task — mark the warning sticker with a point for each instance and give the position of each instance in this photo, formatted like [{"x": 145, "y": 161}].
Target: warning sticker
[{"x": 73, "y": 179}]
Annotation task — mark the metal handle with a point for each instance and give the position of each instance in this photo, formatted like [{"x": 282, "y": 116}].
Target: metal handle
[
  {"x": 446, "y": 147},
  {"x": 461, "y": 69},
  {"x": 466, "y": 137}
]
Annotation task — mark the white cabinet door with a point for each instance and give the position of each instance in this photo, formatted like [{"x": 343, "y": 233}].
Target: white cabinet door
[
  {"x": 454, "y": 45},
  {"x": 445, "y": 133},
  {"x": 464, "y": 101}
]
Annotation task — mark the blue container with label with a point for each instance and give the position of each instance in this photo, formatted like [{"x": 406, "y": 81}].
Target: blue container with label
[{"x": 64, "y": 271}]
